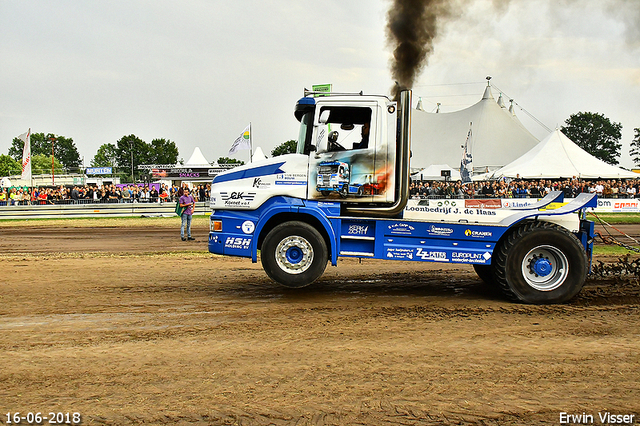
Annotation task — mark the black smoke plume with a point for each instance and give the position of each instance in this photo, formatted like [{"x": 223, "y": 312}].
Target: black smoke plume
[{"x": 412, "y": 26}]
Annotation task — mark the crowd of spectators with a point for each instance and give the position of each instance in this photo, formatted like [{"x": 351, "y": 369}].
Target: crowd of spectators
[
  {"x": 154, "y": 193},
  {"x": 520, "y": 188},
  {"x": 85, "y": 194}
]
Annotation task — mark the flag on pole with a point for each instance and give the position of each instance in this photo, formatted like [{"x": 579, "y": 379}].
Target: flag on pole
[
  {"x": 243, "y": 141},
  {"x": 26, "y": 156}
]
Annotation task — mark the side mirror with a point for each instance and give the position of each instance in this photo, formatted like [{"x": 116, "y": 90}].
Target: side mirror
[{"x": 324, "y": 117}]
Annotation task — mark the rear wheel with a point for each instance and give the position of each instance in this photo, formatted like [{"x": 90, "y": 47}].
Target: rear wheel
[
  {"x": 294, "y": 254},
  {"x": 540, "y": 262}
]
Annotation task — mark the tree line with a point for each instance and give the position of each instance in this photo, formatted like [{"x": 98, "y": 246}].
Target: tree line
[
  {"x": 128, "y": 151},
  {"x": 593, "y": 132}
]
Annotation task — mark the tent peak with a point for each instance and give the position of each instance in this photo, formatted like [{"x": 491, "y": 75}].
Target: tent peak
[
  {"x": 197, "y": 159},
  {"x": 487, "y": 93}
]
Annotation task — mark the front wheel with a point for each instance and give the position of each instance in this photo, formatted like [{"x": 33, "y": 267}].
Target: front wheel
[
  {"x": 540, "y": 262},
  {"x": 485, "y": 273},
  {"x": 294, "y": 254}
]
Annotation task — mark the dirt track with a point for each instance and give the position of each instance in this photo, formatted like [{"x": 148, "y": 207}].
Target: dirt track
[{"x": 131, "y": 326}]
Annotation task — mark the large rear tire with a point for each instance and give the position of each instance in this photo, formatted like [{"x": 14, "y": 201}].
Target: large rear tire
[
  {"x": 540, "y": 263},
  {"x": 294, "y": 254}
]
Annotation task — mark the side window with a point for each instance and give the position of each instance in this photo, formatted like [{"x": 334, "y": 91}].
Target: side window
[{"x": 348, "y": 128}]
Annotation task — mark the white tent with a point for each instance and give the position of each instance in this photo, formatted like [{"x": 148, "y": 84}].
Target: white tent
[
  {"x": 197, "y": 159},
  {"x": 497, "y": 136},
  {"x": 258, "y": 155},
  {"x": 558, "y": 157},
  {"x": 433, "y": 172}
]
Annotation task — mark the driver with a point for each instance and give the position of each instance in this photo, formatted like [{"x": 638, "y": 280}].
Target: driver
[{"x": 364, "y": 143}]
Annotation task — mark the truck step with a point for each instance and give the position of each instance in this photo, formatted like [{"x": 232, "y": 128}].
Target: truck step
[
  {"x": 358, "y": 237},
  {"x": 356, "y": 253}
]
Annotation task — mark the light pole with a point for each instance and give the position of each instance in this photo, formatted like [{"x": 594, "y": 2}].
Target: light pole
[
  {"x": 53, "y": 177},
  {"x": 132, "y": 181}
]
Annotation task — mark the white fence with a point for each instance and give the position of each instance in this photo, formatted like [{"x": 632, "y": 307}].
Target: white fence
[{"x": 95, "y": 210}]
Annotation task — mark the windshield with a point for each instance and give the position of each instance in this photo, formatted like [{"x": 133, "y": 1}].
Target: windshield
[{"x": 304, "y": 136}]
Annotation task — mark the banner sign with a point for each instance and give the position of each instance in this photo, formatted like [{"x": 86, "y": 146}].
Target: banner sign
[
  {"x": 605, "y": 205},
  {"x": 618, "y": 205},
  {"x": 172, "y": 166},
  {"x": 321, "y": 88},
  {"x": 187, "y": 173},
  {"x": 99, "y": 170},
  {"x": 483, "y": 203}
]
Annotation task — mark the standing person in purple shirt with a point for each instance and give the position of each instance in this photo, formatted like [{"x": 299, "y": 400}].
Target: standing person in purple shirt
[{"x": 186, "y": 201}]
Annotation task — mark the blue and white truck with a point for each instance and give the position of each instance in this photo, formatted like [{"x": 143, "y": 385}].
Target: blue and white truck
[{"x": 534, "y": 254}]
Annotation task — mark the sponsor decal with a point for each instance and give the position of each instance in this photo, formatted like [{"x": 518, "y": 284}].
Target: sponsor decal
[
  {"x": 445, "y": 203},
  {"x": 238, "y": 195},
  {"x": 237, "y": 243},
  {"x": 491, "y": 203},
  {"x": 400, "y": 253},
  {"x": 427, "y": 209},
  {"x": 291, "y": 179},
  {"x": 401, "y": 228},
  {"x": 453, "y": 207},
  {"x": 248, "y": 227},
  {"x": 291, "y": 176},
  {"x": 463, "y": 257},
  {"x": 237, "y": 198},
  {"x": 358, "y": 230},
  {"x": 437, "y": 256},
  {"x": 259, "y": 183},
  {"x": 516, "y": 203},
  {"x": 439, "y": 230},
  {"x": 477, "y": 234},
  {"x": 291, "y": 182},
  {"x": 625, "y": 205}
]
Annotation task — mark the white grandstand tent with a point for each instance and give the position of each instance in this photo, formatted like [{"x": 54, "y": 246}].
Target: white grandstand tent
[
  {"x": 197, "y": 159},
  {"x": 497, "y": 136},
  {"x": 559, "y": 157}
]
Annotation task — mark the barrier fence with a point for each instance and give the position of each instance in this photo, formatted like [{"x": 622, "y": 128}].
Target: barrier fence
[
  {"x": 57, "y": 211},
  {"x": 48, "y": 211}
]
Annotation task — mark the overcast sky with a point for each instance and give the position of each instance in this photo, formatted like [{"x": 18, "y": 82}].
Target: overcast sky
[{"x": 197, "y": 72}]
